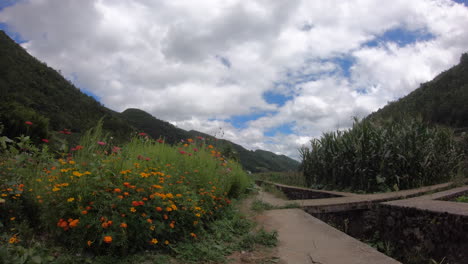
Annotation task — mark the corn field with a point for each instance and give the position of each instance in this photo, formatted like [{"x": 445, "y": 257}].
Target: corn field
[{"x": 373, "y": 157}]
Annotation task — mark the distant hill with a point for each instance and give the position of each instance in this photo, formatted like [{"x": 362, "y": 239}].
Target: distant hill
[
  {"x": 154, "y": 127},
  {"x": 32, "y": 91},
  {"x": 254, "y": 161},
  {"x": 442, "y": 101}
]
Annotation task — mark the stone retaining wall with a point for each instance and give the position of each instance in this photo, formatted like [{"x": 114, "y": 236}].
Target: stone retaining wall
[{"x": 409, "y": 235}]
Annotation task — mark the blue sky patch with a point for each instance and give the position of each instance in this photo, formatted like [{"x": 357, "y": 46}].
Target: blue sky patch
[
  {"x": 276, "y": 98},
  {"x": 240, "y": 121},
  {"x": 401, "y": 36},
  {"x": 284, "y": 129},
  {"x": 345, "y": 63},
  {"x": 465, "y": 2}
]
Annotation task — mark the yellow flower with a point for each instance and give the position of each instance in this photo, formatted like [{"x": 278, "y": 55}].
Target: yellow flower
[
  {"x": 154, "y": 241},
  {"x": 152, "y": 228},
  {"x": 71, "y": 199},
  {"x": 198, "y": 215},
  {"x": 12, "y": 218},
  {"x": 87, "y": 173},
  {"x": 77, "y": 174},
  {"x": 55, "y": 189},
  {"x": 145, "y": 175},
  {"x": 71, "y": 162},
  {"x": 166, "y": 242},
  {"x": 132, "y": 209}
]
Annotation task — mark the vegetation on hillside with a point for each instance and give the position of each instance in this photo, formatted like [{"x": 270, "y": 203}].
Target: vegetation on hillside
[
  {"x": 382, "y": 156},
  {"x": 441, "y": 101}
]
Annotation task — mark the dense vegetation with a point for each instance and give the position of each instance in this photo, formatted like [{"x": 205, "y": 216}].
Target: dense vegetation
[
  {"x": 254, "y": 161},
  {"x": 382, "y": 156},
  {"x": 441, "y": 101},
  {"x": 105, "y": 199},
  {"x": 32, "y": 91}
]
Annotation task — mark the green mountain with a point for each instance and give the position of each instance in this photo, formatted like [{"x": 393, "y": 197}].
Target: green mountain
[
  {"x": 442, "y": 101},
  {"x": 154, "y": 127},
  {"x": 254, "y": 161},
  {"x": 32, "y": 91}
]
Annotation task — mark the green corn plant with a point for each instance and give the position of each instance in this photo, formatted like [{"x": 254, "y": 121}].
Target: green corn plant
[{"x": 383, "y": 156}]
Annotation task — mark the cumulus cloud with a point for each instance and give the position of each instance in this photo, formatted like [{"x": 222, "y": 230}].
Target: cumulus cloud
[{"x": 198, "y": 63}]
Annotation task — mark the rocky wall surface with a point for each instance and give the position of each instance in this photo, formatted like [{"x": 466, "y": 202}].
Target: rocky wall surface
[
  {"x": 420, "y": 235},
  {"x": 409, "y": 235}
]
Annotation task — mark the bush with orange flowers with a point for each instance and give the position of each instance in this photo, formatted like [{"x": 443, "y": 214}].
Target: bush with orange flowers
[{"x": 125, "y": 201}]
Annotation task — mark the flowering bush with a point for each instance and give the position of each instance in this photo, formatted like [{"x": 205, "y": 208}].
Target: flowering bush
[{"x": 110, "y": 199}]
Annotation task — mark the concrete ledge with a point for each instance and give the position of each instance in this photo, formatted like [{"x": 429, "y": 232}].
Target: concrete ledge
[
  {"x": 432, "y": 202},
  {"x": 305, "y": 239}
]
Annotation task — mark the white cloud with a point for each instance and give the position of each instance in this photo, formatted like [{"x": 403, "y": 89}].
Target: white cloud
[{"x": 192, "y": 62}]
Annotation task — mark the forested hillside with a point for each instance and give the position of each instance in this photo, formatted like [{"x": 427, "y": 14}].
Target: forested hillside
[
  {"x": 443, "y": 100},
  {"x": 32, "y": 91}
]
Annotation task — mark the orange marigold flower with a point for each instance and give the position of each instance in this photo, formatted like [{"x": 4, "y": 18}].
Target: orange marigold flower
[
  {"x": 166, "y": 242},
  {"x": 89, "y": 243},
  {"x": 154, "y": 241},
  {"x": 107, "y": 239},
  {"x": 84, "y": 212},
  {"x": 159, "y": 209},
  {"x": 13, "y": 240},
  {"x": 74, "y": 223},
  {"x": 165, "y": 217},
  {"x": 123, "y": 225},
  {"x": 132, "y": 209},
  {"x": 172, "y": 225},
  {"x": 105, "y": 225},
  {"x": 168, "y": 209},
  {"x": 193, "y": 235},
  {"x": 149, "y": 220},
  {"x": 117, "y": 190}
]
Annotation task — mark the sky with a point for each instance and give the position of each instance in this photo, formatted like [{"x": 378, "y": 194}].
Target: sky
[{"x": 266, "y": 74}]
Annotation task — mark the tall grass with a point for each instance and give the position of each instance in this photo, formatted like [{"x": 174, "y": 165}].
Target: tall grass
[{"x": 382, "y": 156}]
